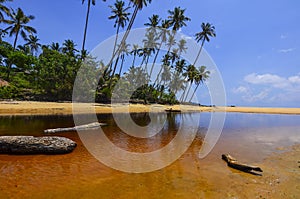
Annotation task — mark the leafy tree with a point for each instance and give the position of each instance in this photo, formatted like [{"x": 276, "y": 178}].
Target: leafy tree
[{"x": 18, "y": 24}]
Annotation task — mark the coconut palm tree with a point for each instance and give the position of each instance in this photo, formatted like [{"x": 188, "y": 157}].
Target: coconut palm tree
[
  {"x": 3, "y": 9},
  {"x": 181, "y": 46},
  {"x": 124, "y": 51},
  {"x": 17, "y": 24},
  {"x": 201, "y": 76},
  {"x": 134, "y": 52},
  {"x": 162, "y": 34},
  {"x": 69, "y": 48},
  {"x": 208, "y": 30},
  {"x": 55, "y": 46},
  {"x": 177, "y": 18},
  {"x": 87, "y": 19},
  {"x": 191, "y": 73},
  {"x": 32, "y": 42},
  {"x": 138, "y": 5},
  {"x": 120, "y": 15}
]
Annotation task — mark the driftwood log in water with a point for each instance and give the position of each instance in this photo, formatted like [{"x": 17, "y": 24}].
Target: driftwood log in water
[
  {"x": 35, "y": 145},
  {"x": 233, "y": 163},
  {"x": 90, "y": 126}
]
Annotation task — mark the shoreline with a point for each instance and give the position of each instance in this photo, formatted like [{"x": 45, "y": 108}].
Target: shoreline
[{"x": 66, "y": 108}]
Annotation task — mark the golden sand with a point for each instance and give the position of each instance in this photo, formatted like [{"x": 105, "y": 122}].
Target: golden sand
[{"x": 50, "y": 108}]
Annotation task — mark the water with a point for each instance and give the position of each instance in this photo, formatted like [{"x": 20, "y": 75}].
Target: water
[{"x": 251, "y": 137}]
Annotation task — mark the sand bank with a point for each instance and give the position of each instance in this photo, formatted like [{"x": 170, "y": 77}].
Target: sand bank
[{"x": 50, "y": 108}]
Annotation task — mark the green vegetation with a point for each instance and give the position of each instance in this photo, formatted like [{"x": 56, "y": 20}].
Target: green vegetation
[{"x": 35, "y": 71}]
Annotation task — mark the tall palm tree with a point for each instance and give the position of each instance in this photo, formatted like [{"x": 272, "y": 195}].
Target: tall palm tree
[
  {"x": 87, "y": 20},
  {"x": 208, "y": 30},
  {"x": 201, "y": 75},
  {"x": 134, "y": 52},
  {"x": 191, "y": 73},
  {"x": 181, "y": 46},
  {"x": 177, "y": 18},
  {"x": 125, "y": 51},
  {"x": 120, "y": 15},
  {"x": 3, "y": 9},
  {"x": 32, "y": 42},
  {"x": 138, "y": 5},
  {"x": 17, "y": 24}
]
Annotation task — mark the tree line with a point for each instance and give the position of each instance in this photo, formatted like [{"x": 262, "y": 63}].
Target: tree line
[{"x": 35, "y": 71}]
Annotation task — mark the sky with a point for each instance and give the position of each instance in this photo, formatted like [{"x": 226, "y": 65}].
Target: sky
[{"x": 257, "y": 48}]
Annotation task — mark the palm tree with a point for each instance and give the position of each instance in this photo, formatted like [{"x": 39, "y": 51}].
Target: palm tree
[
  {"x": 32, "y": 42},
  {"x": 177, "y": 18},
  {"x": 69, "y": 48},
  {"x": 181, "y": 46},
  {"x": 138, "y": 5},
  {"x": 124, "y": 51},
  {"x": 3, "y": 9},
  {"x": 191, "y": 73},
  {"x": 201, "y": 75},
  {"x": 134, "y": 52},
  {"x": 55, "y": 46},
  {"x": 87, "y": 20},
  {"x": 207, "y": 31},
  {"x": 18, "y": 25},
  {"x": 121, "y": 17}
]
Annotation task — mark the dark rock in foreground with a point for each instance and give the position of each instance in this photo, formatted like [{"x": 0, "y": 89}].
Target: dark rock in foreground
[{"x": 35, "y": 145}]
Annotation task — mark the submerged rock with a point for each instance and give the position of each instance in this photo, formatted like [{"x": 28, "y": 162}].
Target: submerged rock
[{"x": 35, "y": 145}]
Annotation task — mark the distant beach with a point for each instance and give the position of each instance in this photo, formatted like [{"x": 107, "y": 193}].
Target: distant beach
[{"x": 54, "y": 108}]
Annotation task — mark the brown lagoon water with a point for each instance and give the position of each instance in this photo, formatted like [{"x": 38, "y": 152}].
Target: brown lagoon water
[{"x": 251, "y": 138}]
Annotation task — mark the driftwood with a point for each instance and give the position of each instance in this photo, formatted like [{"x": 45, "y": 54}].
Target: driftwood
[
  {"x": 35, "y": 145},
  {"x": 90, "y": 126},
  {"x": 233, "y": 163},
  {"x": 172, "y": 110}
]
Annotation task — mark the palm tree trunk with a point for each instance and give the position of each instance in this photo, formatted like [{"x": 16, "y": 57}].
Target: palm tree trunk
[
  {"x": 14, "y": 48},
  {"x": 115, "y": 44},
  {"x": 122, "y": 62},
  {"x": 194, "y": 92},
  {"x": 133, "y": 61},
  {"x": 188, "y": 91},
  {"x": 110, "y": 66},
  {"x": 155, "y": 58},
  {"x": 199, "y": 53},
  {"x": 86, "y": 24}
]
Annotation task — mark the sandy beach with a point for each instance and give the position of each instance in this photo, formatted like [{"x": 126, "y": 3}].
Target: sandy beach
[{"x": 54, "y": 108}]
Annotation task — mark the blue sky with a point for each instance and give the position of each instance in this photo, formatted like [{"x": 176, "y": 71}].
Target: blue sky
[{"x": 256, "y": 48}]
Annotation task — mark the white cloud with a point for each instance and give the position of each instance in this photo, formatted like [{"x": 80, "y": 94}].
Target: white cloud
[
  {"x": 267, "y": 79},
  {"x": 185, "y": 37},
  {"x": 294, "y": 79},
  {"x": 258, "y": 97},
  {"x": 240, "y": 89},
  {"x": 270, "y": 88},
  {"x": 286, "y": 50}
]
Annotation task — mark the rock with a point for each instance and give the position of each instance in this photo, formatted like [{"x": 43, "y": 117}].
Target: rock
[{"x": 35, "y": 145}]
